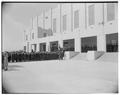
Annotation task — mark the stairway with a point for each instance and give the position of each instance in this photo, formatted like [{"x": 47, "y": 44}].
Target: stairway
[
  {"x": 80, "y": 56},
  {"x": 109, "y": 57}
]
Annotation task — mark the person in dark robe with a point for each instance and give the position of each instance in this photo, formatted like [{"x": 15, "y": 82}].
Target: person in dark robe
[{"x": 5, "y": 62}]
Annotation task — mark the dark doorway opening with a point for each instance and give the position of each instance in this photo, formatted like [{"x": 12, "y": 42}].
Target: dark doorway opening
[
  {"x": 88, "y": 43},
  {"x": 112, "y": 42},
  {"x": 54, "y": 46},
  {"x": 68, "y": 45},
  {"x": 42, "y": 46},
  {"x": 25, "y": 48},
  {"x": 34, "y": 46}
]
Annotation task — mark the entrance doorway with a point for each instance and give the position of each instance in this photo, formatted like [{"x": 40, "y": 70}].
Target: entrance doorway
[
  {"x": 68, "y": 45},
  {"x": 54, "y": 46},
  {"x": 25, "y": 48},
  {"x": 42, "y": 46},
  {"x": 34, "y": 46},
  {"x": 88, "y": 43},
  {"x": 112, "y": 42}
]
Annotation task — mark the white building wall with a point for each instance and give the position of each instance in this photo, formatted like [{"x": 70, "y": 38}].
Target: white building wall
[
  {"x": 48, "y": 22},
  {"x": 111, "y": 26},
  {"x": 27, "y": 42},
  {"x": 99, "y": 29},
  {"x": 81, "y": 8},
  {"x": 56, "y": 15},
  {"x": 35, "y": 27},
  {"x": 92, "y": 30},
  {"x": 58, "y": 35},
  {"x": 48, "y": 19},
  {"x": 66, "y": 10},
  {"x": 40, "y": 20}
]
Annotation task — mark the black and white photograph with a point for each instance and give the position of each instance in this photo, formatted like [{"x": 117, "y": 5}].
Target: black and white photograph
[{"x": 59, "y": 47}]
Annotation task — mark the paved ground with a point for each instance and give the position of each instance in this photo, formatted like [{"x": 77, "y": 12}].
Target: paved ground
[{"x": 70, "y": 76}]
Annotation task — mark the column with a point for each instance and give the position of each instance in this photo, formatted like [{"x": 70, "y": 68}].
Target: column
[
  {"x": 60, "y": 41},
  {"x": 77, "y": 44},
  {"x": 37, "y": 47},
  {"x": 101, "y": 42},
  {"x": 47, "y": 46}
]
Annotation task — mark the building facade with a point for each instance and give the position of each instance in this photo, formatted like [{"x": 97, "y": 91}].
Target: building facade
[{"x": 76, "y": 27}]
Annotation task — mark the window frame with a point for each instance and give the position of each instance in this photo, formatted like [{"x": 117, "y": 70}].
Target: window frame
[
  {"x": 90, "y": 22},
  {"x": 54, "y": 25},
  {"x": 76, "y": 24},
  {"x": 65, "y": 22},
  {"x": 110, "y": 13}
]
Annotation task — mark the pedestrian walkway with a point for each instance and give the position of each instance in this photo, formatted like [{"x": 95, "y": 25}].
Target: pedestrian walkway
[{"x": 60, "y": 77}]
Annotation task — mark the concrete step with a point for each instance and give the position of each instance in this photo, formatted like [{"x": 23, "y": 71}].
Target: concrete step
[
  {"x": 106, "y": 57},
  {"x": 80, "y": 56},
  {"x": 109, "y": 57}
]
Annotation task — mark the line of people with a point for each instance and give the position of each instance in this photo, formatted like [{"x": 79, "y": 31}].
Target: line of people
[{"x": 8, "y": 57}]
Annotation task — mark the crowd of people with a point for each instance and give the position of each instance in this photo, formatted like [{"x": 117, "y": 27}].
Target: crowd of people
[{"x": 21, "y": 56}]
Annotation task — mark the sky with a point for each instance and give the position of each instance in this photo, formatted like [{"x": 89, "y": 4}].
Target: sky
[{"x": 15, "y": 19}]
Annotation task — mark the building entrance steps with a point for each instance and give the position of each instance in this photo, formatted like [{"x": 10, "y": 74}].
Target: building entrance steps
[
  {"x": 80, "y": 56},
  {"x": 106, "y": 57},
  {"x": 109, "y": 57},
  {"x": 70, "y": 54},
  {"x": 93, "y": 55}
]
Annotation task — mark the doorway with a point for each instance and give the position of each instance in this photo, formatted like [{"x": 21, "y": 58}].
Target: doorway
[
  {"x": 42, "y": 47},
  {"x": 88, "y": 43},
  {"x": 54, "y": 46},
  {"x": 112, "y": 42},
  {"x": 34, "y": 46},
  {"x": 68, "y": 45}
]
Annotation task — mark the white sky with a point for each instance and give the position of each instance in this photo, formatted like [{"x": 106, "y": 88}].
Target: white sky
[{"x": 15, "y": 18}]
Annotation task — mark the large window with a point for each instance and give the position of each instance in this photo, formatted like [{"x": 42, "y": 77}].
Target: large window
[
  {"x": 54, "y": 25},
  {"x": 88, "y": 43},
  {"x": 54, "y": 46},
  {"x": 110, "y": 11},
  {"x": 42, "y": 46},
  {"x": 64, "y": 22},
  {"x": 91, "y": 14},
  {"x": 76, "y": 19},
  {"x": 112, "y": 42},
  {"x": 69, "y": 45}
]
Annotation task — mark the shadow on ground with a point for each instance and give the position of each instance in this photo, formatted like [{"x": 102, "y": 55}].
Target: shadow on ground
[{"x": 14, "y": 67}]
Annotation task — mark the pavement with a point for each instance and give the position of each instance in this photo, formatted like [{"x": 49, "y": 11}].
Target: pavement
[{"x": 61, "y": 77}]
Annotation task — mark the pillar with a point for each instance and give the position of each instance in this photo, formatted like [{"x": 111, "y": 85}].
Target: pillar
[
  {"x": 101, "y": 42},
  {"x": 37, "y": 47},
  {"x": 60, "y": 43},
  {"x": 77, "y": 44},
  {"x": 47, "y": 46}
]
